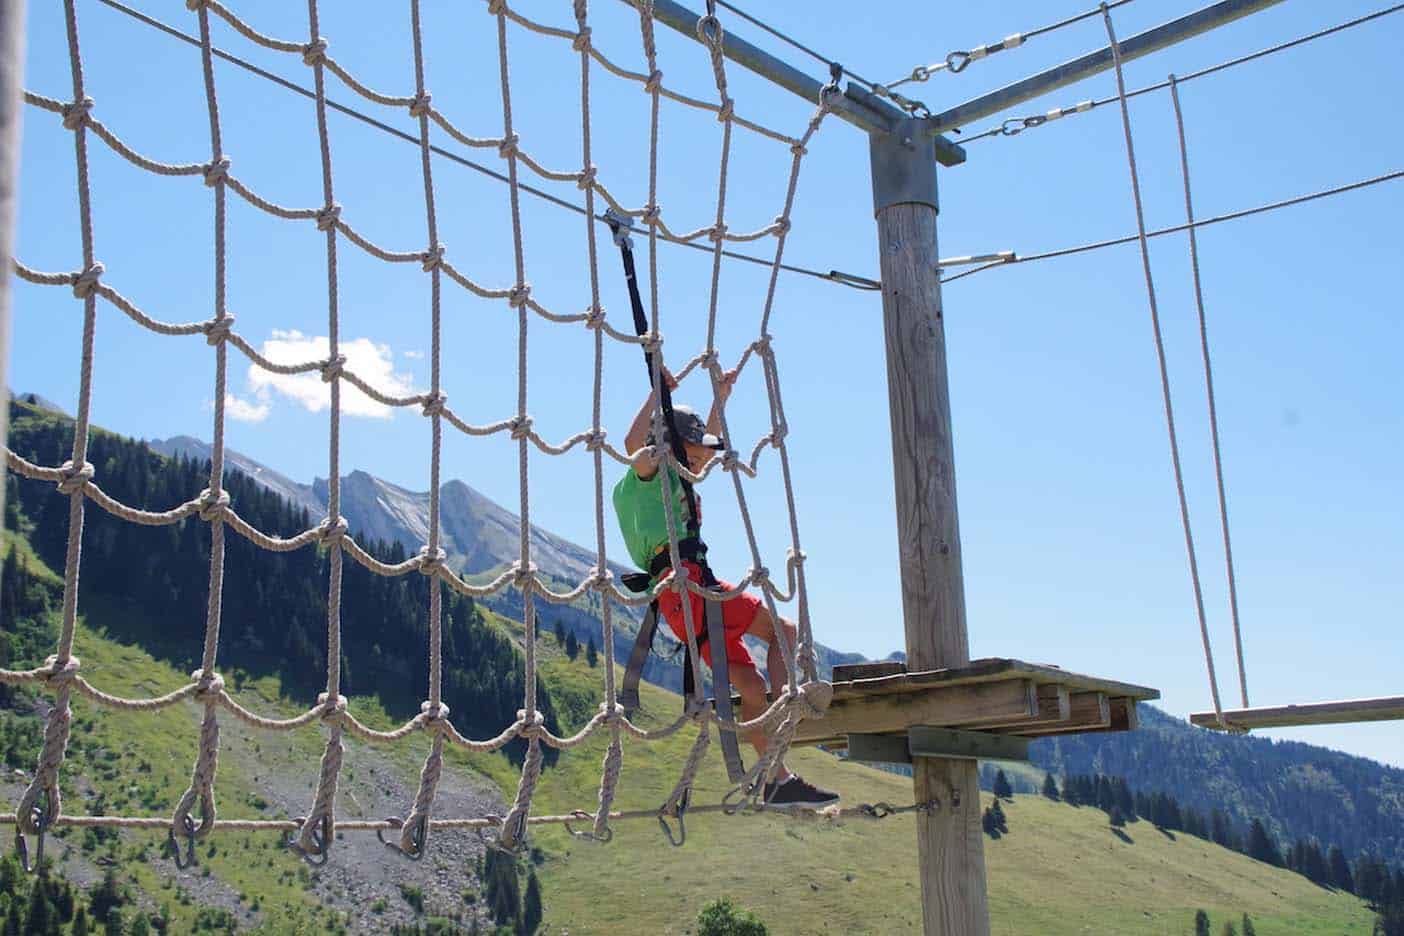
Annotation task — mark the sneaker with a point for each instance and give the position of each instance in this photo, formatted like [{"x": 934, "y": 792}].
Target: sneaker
[{"x": 796, "y": 791}]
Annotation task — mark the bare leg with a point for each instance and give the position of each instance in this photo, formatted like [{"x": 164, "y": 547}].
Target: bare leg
[{"x": 763, "y": 626}]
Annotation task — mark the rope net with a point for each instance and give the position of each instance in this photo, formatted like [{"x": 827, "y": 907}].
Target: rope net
[{"x": 195, "y": 815}]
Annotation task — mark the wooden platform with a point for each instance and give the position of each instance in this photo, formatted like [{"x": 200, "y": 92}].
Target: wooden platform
[
  {"x": 1002, "y": 696},
  {"x": 1346, "y": 711}
]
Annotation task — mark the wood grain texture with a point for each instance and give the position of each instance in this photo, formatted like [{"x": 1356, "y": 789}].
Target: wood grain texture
[
  {"x": 987, "y": 670},
  {"x": 1345, "y": 711},
  {"x": 11, "y": 83},
  {"x": 974, "y": 706},
  {"x": 950, "y": 842}
]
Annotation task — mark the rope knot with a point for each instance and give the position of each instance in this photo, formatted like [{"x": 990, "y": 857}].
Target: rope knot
[
  {"x": 433, "y": 712},
  {"x": 600, "y": 580},
  {"x": 581, "y": 42},
  {"x": 586, "y": 178},
  {"x": 213, "y": 504},
  {"x": 432, "y": 259},
  {"x": 76, "y": 115},
  {"x": 709, "y": 360},
  {"x": 419, "y": 107},
  {"x": 331, "y": 711},
  {"x": 612, "y": 711},
  {"x": 315, "y": 52},
  {"x": 523, "y": 576},
  {"x": 730, "y": 460},
  {"x": 814, "y": 698},
  {"x": 762, "y": 346},
  {"x": 207, "y": 687},
  {"x": 717, "y": 233},
  {"x": 434, "y": 403},
  {"x": 217, "y": 330},
  {"x": 650, "y": 214},
  {"x": 795, "y": 557},
  {"x": 519, "y": 295},
  {"x": 798, "y": 148},
  {"x": 497, "y": 7},
  {"x": 61, "y": 673},
  {"x": 217, "y": 171},
  {"x": 74, "y": 480},
  {"x": 333, "y": 367},
  {"x": 727, "y": 111},
  {"x": 86, "y": 283},
  {"x": 651, "y": 341},
  {"x": 778, "y": 434},
  {"x": 595, "y": 440},
  {"x": 521, "y": 427},
  {"x": 195, "y": 5},
  {"x": 507, "y": 147},
  {"x": 328, "y": 217},
  {"x": 330, "y": 532},
  {"x": 782, "y": 224},
  {"x": 531, "y": 724},
  {"x": 654, "y": 81},
  {"x": 759, "y": 575},
  {"x": 431, "y": 561},
  {"x": 594, "y": 317}
]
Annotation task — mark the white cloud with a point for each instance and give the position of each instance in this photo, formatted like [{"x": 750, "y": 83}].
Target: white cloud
[
  {"x": 373, "y": 363},
  {"x": 245, "y": 410},
  {"x": 413, "y": 355}
]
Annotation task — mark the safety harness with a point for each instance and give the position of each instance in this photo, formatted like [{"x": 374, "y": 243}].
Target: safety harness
[{"x": 690, "y": 549}]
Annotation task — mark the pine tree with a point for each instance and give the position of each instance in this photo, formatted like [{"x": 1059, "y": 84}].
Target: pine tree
[
  {"x": 531, "y": 906},
  {"x": 1201, "y": 924},
  {"x": 1340, "y": 871},
  {"x": 1117, "y": 819},
  {"x": 1261, "y": 847},
  {"x": 14, "y": 921},
  {"x": 1228, "y": 930},
  {"x": 572, "y": 645},
  {"x": 592, "y": 653},
  {"x": 1050, "y": 788},
  {"x": 1002, "y": 789},
  {"x": 1248, "y": 929},
  {"x": 140, "y": 926},
  {"x": 112, "y": 925},
  {"x": 40, "y": 920},
  {"x": 80, "y": 922},
  {"x": 997, "y": 815},
  {"x": 560, "y": 633}
]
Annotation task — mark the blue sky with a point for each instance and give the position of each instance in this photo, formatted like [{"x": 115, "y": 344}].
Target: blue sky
[{"x": 1073, "y": 551}]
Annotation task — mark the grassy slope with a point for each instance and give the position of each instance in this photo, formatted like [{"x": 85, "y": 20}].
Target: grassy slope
[{"x": 1062, "y": 870}]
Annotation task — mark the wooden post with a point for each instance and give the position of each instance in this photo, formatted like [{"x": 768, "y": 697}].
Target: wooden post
[
  {"x": 11, "y": 81},
  {"x": 950, "y": 845}
]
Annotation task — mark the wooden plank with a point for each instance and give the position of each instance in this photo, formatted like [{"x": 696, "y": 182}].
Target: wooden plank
[
  {"x": 847, "y": 672},
  {"x": 980, "y": 705},
  {"x": 1124, "y": 716},
  {"x": 1054, "y": 705},
  {"x": 1088, "y": 711},
  {"x": 926, "y": 741},
  {"x": 1345, "y": 711},
  {"x": 985, "y": 670}
]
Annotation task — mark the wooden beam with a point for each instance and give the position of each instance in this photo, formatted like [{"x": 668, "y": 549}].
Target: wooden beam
[
  {"x": 985, "y": 670},
  {"x": 979, "y": 705},
  {"x": 1054, "y": 705},
  {"x": 1124, "y": 716},
  {"x": 848, "y": 672},
  {"x": 1343, "y": 712},
  {"x": 1089, "y": 711},
  {"x": 926, "y": 741}
]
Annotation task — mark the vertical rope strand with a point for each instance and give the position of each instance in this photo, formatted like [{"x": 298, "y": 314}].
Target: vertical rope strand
[
  {"x": 1164, "y": 369},
  {"x": 30, "y": 817},
  {"x": 414, "y": 835},
  {"x": 207, "y": 761},
  {"x": 1209, "y": 390},
  {"x": 317, "y": 832}
]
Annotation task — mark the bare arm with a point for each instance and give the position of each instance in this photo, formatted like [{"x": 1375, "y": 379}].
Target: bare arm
[{"x": 635, "y": 442}]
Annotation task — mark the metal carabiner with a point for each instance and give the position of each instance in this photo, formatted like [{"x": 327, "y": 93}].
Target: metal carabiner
[
  {"x": 588, "y": 836},
  {"x": 321, "y": 843},
  {"x": 419, "y": 836},
  {"x": 174, "y": 845},
  {"x": 39, "y": 816}
]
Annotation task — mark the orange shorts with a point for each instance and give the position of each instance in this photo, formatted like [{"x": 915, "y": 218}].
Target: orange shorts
[{"x": 737, "y": 615}]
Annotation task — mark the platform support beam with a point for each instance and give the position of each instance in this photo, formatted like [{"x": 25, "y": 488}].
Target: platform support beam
[{"x": 950, "y": 842}]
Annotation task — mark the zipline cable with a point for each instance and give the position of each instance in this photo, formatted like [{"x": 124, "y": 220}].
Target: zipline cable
[
  {"x": 1016, "y": 125},
  {"x": 1175, "y": 229}
]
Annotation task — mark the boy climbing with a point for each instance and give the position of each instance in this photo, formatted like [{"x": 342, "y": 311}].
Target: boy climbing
[{"x": 638, "y": 502}]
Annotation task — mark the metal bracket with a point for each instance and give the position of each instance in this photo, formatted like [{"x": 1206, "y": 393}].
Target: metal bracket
[
  {"x": 924, "y": 741},
  {"x": 903, "y": 166},
  {"x": 620, "y": 224}
]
